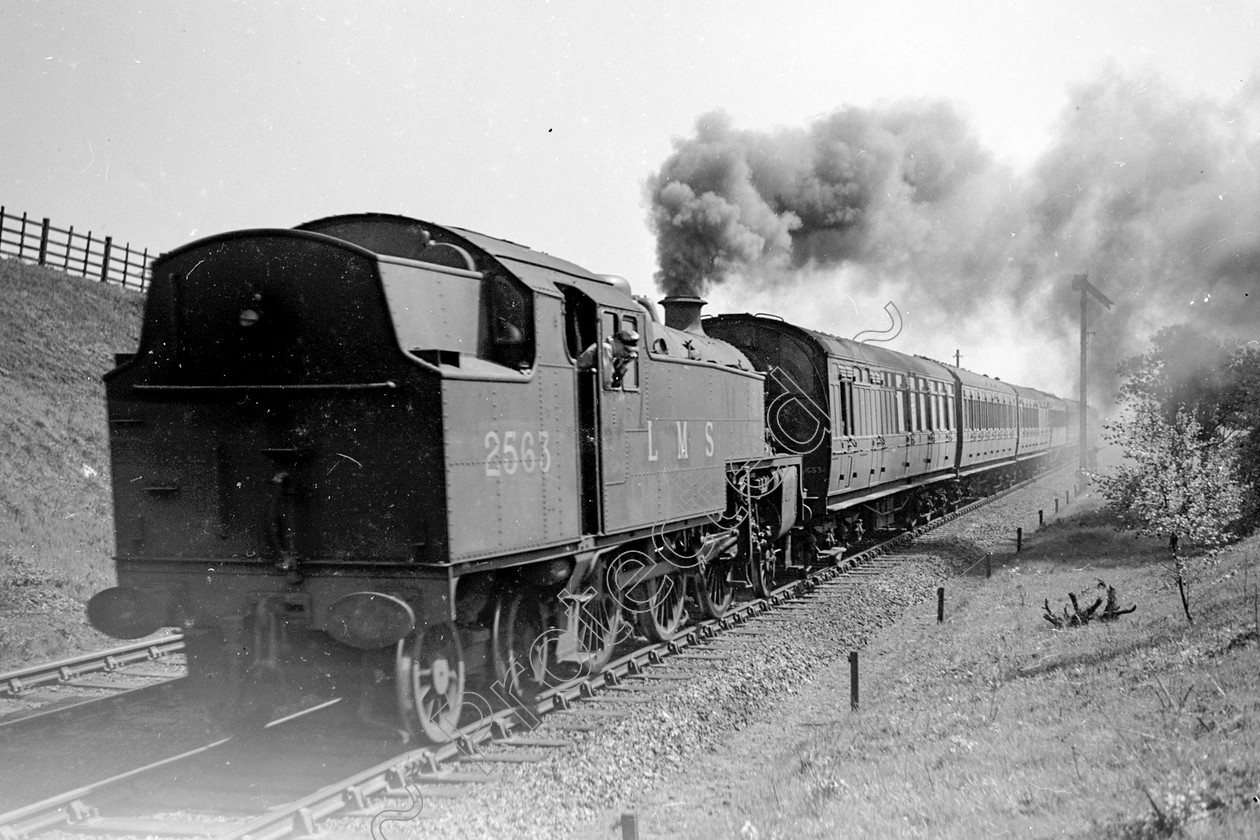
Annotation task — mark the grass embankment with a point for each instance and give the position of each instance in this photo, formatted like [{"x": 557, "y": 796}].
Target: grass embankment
[
  {"x": 58, "y": 335},
  {"x": 995, "y": 724}
]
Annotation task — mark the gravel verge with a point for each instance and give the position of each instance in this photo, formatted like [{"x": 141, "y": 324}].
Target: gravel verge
[{"x": 677, "y": 755}]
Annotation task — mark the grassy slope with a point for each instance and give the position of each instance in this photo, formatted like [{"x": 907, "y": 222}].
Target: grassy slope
[
  {"x": 995, "y": 724},
  {"x": 58, "y": 335}
]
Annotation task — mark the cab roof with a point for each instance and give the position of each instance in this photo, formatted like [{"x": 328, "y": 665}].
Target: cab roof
[{"x": 414, "y": 239}]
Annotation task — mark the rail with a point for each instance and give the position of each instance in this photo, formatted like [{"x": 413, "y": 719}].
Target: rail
[{"x": 13, "y": 683}]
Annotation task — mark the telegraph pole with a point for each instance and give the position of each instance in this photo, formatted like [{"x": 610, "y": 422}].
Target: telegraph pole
[{"x": 1081, "y": 281}]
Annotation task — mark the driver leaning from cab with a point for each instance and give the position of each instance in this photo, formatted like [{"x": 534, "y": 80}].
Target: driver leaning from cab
[{"x": 617, "y": 351}]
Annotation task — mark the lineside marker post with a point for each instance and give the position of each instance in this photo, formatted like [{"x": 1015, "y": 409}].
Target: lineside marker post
[
  {"x": 1019, "y": 540},
  {"x": 940, "y": 605},
  {"x": 1041, "y": 518},
  {"x": 1056, "y": 506},
  {"x": 853, "y": 680},
  {"x": 988, "y": 565},
  {"x": 629, "y": 826}
]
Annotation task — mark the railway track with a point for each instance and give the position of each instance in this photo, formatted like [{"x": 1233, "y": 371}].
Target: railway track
[
  {"x": 404, "y": 783},
  {"x": 54, "y": 692}
]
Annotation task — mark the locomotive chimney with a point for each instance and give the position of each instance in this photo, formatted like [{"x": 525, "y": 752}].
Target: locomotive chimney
[{"x": 682, "y": 312}]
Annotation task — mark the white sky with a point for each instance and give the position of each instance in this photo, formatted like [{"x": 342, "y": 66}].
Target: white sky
[{"x": 159, "y": 122}]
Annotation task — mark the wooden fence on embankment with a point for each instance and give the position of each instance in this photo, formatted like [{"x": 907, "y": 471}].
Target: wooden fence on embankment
[{"x": 98, "y": 257}]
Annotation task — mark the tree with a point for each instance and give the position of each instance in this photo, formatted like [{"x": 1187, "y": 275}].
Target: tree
[
  {"x": 1217, "y": 383},
  {"x": 1240, "y": 409},
  {"x": 1176, "y": 480},
  {"x": 1182, "y": 370},
  {"x": 1173, "y": 481}
]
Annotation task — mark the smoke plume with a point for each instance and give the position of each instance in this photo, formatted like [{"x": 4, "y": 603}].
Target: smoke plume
[{"x": 1152, "y": 193}]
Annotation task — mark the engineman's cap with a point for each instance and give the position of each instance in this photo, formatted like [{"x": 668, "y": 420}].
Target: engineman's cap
[{"x": 630, "y": 338}]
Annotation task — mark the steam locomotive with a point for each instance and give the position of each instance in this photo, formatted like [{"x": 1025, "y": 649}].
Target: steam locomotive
[{"x": 360, "y": 457}]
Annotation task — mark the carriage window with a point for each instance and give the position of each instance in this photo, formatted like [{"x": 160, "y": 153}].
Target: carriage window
[
  {"x": 846, "y": 397},
  {"x": 837, "y": 413}
]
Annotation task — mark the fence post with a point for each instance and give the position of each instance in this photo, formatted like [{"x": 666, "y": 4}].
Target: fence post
[
  {"x": 109, "y": 241},
  {"x": 65, "y": 265},
  {"x": 22, "y": 237},
  {"x": 853, "y": 680},
  {"x": 126, "y": 263},
  {"x": 144, "y": 269},
  {"x": 43, "y": 241}
]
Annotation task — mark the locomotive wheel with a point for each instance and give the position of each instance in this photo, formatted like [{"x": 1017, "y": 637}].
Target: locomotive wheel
[
  {"x": 597, "y": 632},
  {"x": 660, "y": 606},
  {"x": 523, "y": 644},
  {"x": 714, "y": 588},
  {"x": 429, "y": 674}
]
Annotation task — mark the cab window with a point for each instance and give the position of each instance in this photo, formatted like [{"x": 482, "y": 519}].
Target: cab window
[
  {"x": 612, "y": 323},
  {"x": 511, "y": 323},
  {"x": 630, "y": 375}
]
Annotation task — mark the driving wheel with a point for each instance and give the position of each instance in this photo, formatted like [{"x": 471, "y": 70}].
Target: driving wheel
[
  {"x": 714, "y": 588},
  {"x": 429, "y": 676},
  {"x": 659, "y": 604},
  {"x": 523, "y": 644}
]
